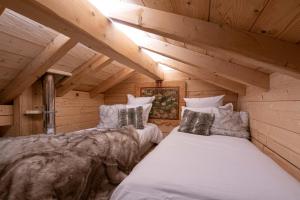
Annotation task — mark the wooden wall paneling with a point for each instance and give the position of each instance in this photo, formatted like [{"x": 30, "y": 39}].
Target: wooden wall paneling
[
  {"x": 84, "y": 87},
  {"x": 2, "y": 8},
  {"x": 198, "y": 88},
  {"x": 280, "y": 19},
  {"x": 6, "y": 115},
  {"x": 90, "y": 79},
  {"x": 223, "y": 68},
  {"x": 19, "y": 46},
  {"x": 8, "y": 73},
  {"x": 192, "y": 8},
  {"x": 53, "y": 52},
  {"x": 236, "y": 13},
  {"x": 247, "y": 47},
  {"x": 294, "y": 171},
  {"x": 76, "y": 110},
  {"x": 96, "y": 63},
  {"x": 3, "y": 83},
  {"x": 113, "y": 68},
  {"x": 30, "y": 99},
  {"x": 283, "y": 142},
  {"x": 37, "y": 104},
  {"x": 74, "y": 58},
  {"x": 19, "y": 26},
  {"x": 205, "y": 76},
  {"x": 24, "y": 123},
  {"x": 165, "y": 5},
  {"x": 104, "y": 38},
  {"x": 274, "y": 120},
  {"x": 111, "y": 81},
  {"x": 283, "y": 114},
  {"x": 13, "y": 61}
]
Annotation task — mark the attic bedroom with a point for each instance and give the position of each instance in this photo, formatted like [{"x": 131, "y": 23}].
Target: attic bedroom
[{"x": 150, "y": 99}]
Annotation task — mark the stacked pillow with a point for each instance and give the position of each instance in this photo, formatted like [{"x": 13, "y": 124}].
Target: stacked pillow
[
  {"x": 204, "y": 102},
  {"x": 131, "y": 116},
  {"x": 109, "y": 118},
  {"x": 219, "y": 120},
  {"x": 135, "y": 113},
  {"x": 146, "y": 102}
]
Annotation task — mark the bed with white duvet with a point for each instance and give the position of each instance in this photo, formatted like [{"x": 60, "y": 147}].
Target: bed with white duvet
[{"x": 187, "y": 166}]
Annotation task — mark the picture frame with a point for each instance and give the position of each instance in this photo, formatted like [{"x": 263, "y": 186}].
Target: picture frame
[{"x": 166, "y": 103}]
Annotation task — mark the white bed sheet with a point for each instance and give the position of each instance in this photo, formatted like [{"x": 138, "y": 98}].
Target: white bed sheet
[
  {"x": 185, "y": 166},
  {"x": 151, "y": 133}
]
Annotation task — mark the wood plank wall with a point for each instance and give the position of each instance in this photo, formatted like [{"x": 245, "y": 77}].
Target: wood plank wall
[
  {"x": 6, "y": 115},
  {"x": 76, "y": 111},
  {"x": 275, "y": 120},
  {"x": 194, "y": 88},
  {"x": 24, "y": 124}
]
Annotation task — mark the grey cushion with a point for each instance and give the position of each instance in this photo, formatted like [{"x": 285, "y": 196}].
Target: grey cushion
[
  {"x": 230, "y": 123},
  {"x": 196, "y": 122},
  {"x": 109, "y": 116},
  {"x": 131, "y": 116}
]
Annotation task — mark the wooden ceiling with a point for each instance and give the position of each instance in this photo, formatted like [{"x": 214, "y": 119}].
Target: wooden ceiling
[
  {"x": 22, "y": 40},
  {"x": 275, "y": 18}
]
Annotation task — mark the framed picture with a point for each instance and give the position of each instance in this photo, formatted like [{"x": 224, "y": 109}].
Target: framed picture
[{"x": 166, "y": 103}]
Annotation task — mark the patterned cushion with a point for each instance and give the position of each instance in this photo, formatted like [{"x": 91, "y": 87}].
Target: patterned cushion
[
  {"x": 131, "y": 116},
  {"x": 196, "y": 122},
  {"x": 230, "y": 123},
  {"x": 109, "y": 116},
  {"x": 146, "y": 111}
]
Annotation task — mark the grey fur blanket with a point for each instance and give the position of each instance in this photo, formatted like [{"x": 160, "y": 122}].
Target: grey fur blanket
[{"x": 78, "y": 165}]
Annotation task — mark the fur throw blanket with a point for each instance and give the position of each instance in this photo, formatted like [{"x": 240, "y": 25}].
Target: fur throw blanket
[{"x": 78, "y": 165}]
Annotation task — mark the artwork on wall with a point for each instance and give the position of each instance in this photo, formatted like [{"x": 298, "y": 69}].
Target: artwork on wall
[{"x": 166, "y": 103}]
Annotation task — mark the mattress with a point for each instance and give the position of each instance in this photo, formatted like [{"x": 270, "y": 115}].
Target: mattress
[{"x": 186, "y": 166}]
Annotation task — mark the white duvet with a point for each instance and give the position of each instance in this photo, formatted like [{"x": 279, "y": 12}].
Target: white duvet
[
  {"x": 151, "y": 133},
  {"x": 185, "y": 166}
]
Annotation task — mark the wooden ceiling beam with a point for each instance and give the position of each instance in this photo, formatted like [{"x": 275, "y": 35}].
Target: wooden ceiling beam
[
  {"x": 205, "y": 76},
  {"x": 79, "y": 19},
  {"x": 111, "y": 81},
  {"x": 223, "y": 68},
  {"x": 242, "y": 46},
  {"x": 93, "y": 65},
  {"x": 38, "y": 67}
]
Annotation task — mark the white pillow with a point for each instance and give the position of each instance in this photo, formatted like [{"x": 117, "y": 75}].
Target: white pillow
[
  {"x": 146, "y": 111},
  {"x": 109, "y": 115},
  {"x": 228, "y": 107},
  {"x": 138, "y": 101},
  {"x": 215, "y": 101}
]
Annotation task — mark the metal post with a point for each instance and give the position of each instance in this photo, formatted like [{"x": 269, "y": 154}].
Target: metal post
[{"x": 49, "y": 104}]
